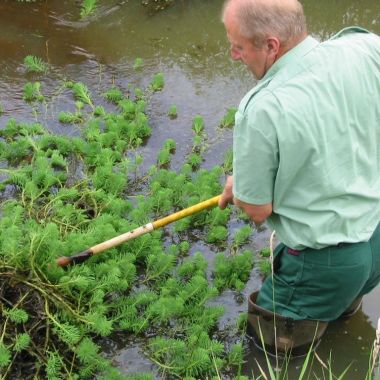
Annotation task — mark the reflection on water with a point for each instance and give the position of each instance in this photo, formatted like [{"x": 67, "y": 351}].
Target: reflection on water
[{"x": 187, "y": 43}]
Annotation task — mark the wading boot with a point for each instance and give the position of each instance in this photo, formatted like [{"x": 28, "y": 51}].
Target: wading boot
[{"x": 291, "y": 337}]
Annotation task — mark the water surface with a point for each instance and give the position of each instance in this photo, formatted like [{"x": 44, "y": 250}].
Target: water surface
[{"x": 187, "y": 43}]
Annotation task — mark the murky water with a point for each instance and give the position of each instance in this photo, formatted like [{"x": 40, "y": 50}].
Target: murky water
[{"x": 187, "y": 43}]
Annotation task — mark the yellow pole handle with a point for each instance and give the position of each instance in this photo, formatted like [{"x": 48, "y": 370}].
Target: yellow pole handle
[
  {"x": 83, "y": 256},
  {"x": 186, "y": 212}
]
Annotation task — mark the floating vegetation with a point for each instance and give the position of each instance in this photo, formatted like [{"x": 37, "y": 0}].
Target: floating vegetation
[
  {"x": 87, "y": 7},
  {"x": 35, "y": 64},
  {"x": 228, "y": 119},
  {"x": 70, "y": 118},
  {"x": 138, "y": 63},
  {"x": 157, "y": 83},
  {"x": 233, "y": 271},
  {"x": 71, "y": 193},
  {"x": 32, "y": 92},
  {"x": 172, "y": 112}
]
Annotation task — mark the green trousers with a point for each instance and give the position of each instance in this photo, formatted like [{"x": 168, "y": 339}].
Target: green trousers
[{"x": 321, "y": 284}]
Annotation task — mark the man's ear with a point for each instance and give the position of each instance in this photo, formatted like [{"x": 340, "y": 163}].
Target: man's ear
[{"x": 273, "y": 46}]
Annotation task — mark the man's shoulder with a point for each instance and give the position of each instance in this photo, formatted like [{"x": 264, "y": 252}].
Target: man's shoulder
[
  {"x": 349, "y": 31},
  {"x": 259, "y": 100}
]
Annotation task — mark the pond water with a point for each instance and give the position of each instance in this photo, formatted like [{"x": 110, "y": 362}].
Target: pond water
[{"x": 187, "y": 43}]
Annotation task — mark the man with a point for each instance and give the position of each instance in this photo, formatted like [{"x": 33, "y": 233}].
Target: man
[{"x": 307, "y": 156}]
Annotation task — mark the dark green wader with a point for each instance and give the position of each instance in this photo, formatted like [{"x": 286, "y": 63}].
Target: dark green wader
[{"x": 315, "y": 286}]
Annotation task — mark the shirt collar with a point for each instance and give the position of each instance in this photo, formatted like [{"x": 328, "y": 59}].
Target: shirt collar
[{"x": 290, "y": 56}]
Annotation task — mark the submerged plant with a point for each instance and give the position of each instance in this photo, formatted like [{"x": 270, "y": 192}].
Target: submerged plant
[
  {"x": 138, "y": 63},
  {"x": 87, "y": 7},
  {"x": 157, "y": 83},
  {"x": 172, "y": 112},
  {"x": 70, "y": 118},
  {"x": 32, "y": 92},
  {"x": 35, "y": 64},
  {"x": 228, "y": 119},
  {"x": 233, "y": 271}
]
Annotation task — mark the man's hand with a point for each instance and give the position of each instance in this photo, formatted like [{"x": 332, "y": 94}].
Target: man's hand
[{"x": 227, "y": 196}]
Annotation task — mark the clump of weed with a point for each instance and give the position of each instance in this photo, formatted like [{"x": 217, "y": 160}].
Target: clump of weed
[
  {"x": 172, "y": 112},
  {"x": 87, "y": 7},
  {"x": 35, "y": 64},
  {"x": 228, "y": 119}
]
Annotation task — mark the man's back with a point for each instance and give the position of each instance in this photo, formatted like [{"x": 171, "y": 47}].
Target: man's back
[{"x": 319, "y": 114}]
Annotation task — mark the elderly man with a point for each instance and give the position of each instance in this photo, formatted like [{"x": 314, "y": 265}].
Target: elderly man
[{"x": 307, "y": 155}]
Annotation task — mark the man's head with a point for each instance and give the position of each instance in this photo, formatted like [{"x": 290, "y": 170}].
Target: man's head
[{"x": 261, "y": 31}]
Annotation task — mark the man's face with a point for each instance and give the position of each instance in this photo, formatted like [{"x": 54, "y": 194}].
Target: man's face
[{"x": 242, "y": 49}]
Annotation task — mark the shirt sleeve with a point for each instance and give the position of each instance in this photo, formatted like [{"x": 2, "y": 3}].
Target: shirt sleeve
[{"x": 255, "y": 151}]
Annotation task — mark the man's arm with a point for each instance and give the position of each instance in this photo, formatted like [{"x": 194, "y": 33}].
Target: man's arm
[{"x": 258, "y": 213}]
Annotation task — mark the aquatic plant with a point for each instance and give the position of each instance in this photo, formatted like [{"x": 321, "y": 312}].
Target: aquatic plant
[
  {"x": 138, "y": 63},
  {"x": 172, "y": 112},
  {"x": 32, "y": 92},
  {"x": 114, "y": 95},
  {"x": 157, "y": 83},
  {"x": 232, "y": 271},
  {"x": 228, "y": 119},
  {"x": 35, "y": 64},
  {"x": 70, "y": 118},
  {"x": 87, "y": 7}
]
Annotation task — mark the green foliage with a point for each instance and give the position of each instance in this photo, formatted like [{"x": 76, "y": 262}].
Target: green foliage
[
  {"x": 198, "y": 124},
  {"x": 71, "y": 193},
  {"x": 22, "y": 342},
  {"x": 5, "y": 356},
  {"x": 157, "y": 83},
  {"x": 53, "y": 366},
  {"x": 172, "y": 112},
  {"x": 32, "y": 92},
  {"x": 242, "y": 235},
  {"x": 236, "y": 355},
  {"x": 138, "y": 63},
  {"x": 194, "y": 160},
  {"x": 228, "y": 119},
  {"x": 164, "y": 155},
  {"x": 113, "y": 95},
  {"x": 232, "y": 271},
  {"x": 265, "y": 252},
  {"x": 70, "y": 118},
  {"x": 197, "y": 355},
  {"x": 16, "y": 315},
  {"x": 35, "y": 64},
  {"x": 82, "y": 93},
  {"x": 228, "y": 162},
  {"x": 87, "y": 7},
  {"x": 265, "y": 268},
  {"x": 1, "y": 109},
  {"x": 217, "y": 234}
]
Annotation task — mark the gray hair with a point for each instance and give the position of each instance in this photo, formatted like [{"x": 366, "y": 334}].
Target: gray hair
[{"x": 259, "y": 19}]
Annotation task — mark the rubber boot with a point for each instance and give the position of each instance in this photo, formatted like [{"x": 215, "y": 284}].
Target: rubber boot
[{"x": 291, "y": 337}]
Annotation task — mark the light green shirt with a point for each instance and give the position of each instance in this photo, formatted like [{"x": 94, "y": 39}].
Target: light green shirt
[{"x": 307, "y": 139}]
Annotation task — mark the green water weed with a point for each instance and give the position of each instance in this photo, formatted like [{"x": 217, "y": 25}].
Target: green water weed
[
  {"x": 172, "y": 112},
  {"x": 32, "y": 92},
  {"x": 157, "y": 83},
  {"x": 35, "y": 64},
  {"x": 228, "y": 119},
  {"x": 138, "y": 63},
  {"x": 87, "y": 7}
]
